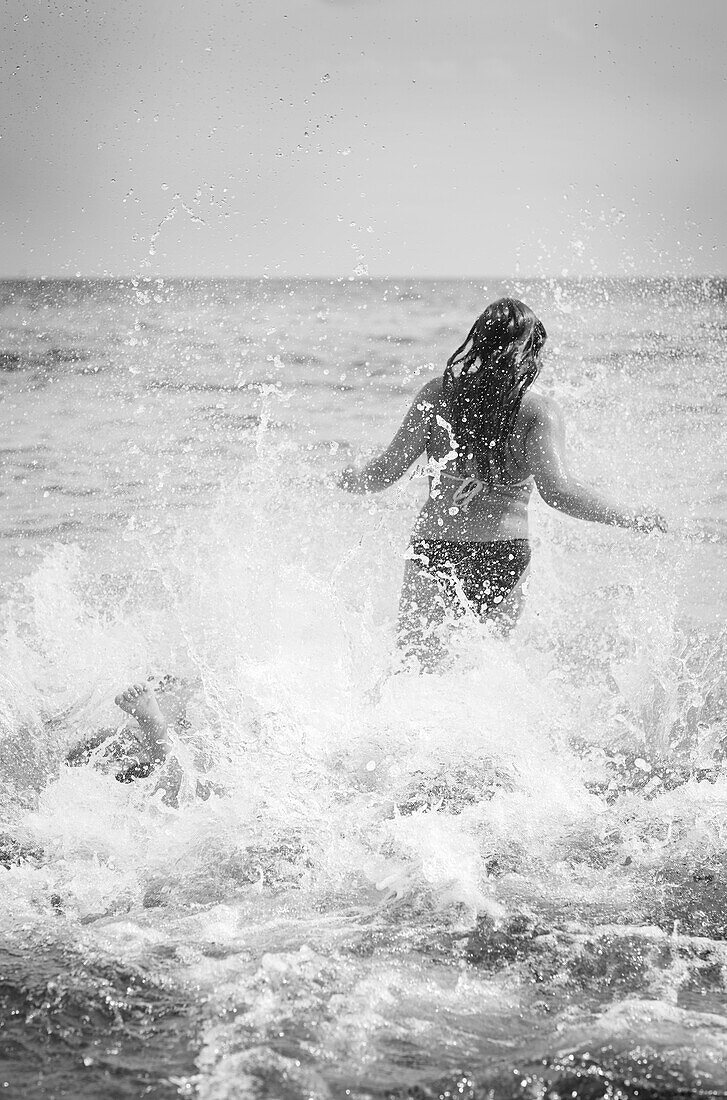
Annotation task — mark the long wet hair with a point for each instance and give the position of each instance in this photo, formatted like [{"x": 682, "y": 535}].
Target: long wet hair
[{"x": 485, "y": 381}]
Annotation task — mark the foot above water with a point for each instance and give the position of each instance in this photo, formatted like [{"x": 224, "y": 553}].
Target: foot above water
[{"x": 140, "y": 701}]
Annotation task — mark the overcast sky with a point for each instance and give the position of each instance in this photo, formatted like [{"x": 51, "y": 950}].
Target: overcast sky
[{"x": 396, "y": 137}]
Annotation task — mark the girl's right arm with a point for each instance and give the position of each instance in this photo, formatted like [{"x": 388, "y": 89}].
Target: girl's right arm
[
  {"x": 406, "y": 447},
  {"x": 545, "y": 450}
]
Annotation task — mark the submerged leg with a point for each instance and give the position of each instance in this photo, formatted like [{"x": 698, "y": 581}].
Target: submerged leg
[
  {"x": 506, "y": 614},
  {"x": 422, "y": 612}
]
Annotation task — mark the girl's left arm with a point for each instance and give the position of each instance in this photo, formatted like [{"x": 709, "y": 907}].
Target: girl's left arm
[{"x": 405, "y": 448}]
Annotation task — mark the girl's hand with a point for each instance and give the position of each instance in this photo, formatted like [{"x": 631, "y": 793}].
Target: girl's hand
[{"x": 646, "y": 521}]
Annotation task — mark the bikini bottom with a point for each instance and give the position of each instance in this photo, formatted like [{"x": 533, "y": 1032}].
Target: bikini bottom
[{"x": 485, "y": 573}]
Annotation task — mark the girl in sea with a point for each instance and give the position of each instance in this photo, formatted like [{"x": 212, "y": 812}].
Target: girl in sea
[{"x": 489, "y": 439}]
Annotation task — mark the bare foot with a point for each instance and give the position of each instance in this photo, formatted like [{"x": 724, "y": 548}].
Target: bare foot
[{"x": 140, "y": 701}]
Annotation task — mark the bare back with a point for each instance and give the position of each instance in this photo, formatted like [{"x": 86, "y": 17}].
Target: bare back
[{"x": 461, "y": 506}]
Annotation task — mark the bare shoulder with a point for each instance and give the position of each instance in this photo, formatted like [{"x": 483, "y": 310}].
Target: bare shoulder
[
  {"x": 431, "y": 390},
  {"x": 539, "y": 410},
  {"x": 429, "y": 396}
]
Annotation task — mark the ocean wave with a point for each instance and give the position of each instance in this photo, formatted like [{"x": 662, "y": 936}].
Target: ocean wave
[
  {"x": 31, "y": 529},
  {"x": 42, "y": 360},
  {"x": 56, "y": 1001}
]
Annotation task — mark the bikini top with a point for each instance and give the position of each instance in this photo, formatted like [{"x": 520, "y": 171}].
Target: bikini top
[{"x": 471, "y": 487}]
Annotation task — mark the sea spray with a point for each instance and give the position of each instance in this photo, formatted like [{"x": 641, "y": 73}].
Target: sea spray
[{"x": 506, "y": 875}]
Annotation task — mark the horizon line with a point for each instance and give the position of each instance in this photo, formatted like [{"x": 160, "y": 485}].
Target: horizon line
[{"x": 590, "y": 277}]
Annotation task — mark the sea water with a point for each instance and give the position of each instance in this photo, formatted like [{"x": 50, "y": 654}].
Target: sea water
[{"x": 505, "y": 879}]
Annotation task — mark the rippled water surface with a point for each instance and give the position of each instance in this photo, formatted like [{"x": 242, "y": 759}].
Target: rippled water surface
[{"x": 503, "y": 880}]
